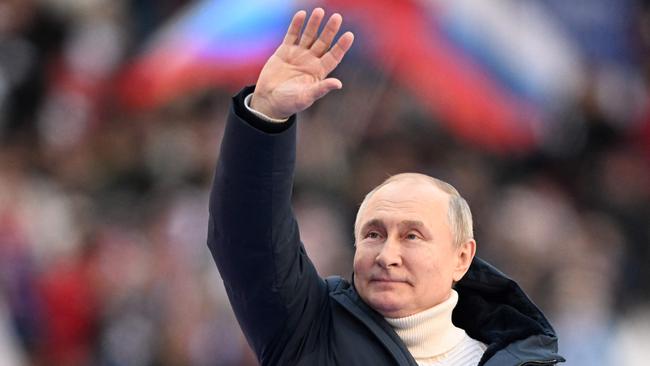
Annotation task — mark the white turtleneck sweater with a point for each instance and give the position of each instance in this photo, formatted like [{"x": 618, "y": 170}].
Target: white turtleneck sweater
[{"x": 434, "y": 340}]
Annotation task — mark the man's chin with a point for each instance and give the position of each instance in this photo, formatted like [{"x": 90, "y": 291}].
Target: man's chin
[{"x": 387, "y": 306}]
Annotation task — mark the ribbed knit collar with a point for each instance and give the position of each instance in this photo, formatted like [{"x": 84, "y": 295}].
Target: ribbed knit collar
[{"x": 429, "y": 333}]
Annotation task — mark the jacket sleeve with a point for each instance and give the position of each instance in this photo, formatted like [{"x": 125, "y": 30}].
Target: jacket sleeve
[{"x": 272, "y": 285}]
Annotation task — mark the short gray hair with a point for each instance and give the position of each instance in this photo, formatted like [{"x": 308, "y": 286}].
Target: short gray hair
[{"x": 458, "y": 213}]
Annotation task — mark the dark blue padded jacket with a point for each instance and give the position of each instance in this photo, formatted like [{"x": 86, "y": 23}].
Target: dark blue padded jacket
[{"x": 290, "y": 315}]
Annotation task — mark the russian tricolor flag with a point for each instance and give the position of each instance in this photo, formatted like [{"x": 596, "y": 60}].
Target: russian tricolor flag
[{"x": 491, "y": 71}]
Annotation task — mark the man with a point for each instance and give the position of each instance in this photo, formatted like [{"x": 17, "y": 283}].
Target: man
[{"x": 413, "y": 238}]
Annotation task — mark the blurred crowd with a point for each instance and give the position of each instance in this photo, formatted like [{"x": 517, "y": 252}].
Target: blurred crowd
[{"x": 103, "y": 211}]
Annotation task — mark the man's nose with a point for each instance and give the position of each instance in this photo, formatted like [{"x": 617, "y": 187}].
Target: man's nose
[{"x": 390, "y": 254}]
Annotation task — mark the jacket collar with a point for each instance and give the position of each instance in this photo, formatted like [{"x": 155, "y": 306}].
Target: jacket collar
[
  {"x": 492, "y": 308},
  {"x": 346, "y": 295}
]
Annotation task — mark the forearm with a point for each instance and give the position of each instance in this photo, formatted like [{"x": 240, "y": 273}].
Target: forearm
[
  {"x": 253, "y": 235},
  {"x": 251, "y": 192}
]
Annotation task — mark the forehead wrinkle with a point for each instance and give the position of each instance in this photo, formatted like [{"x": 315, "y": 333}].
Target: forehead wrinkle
[
  {"x": 386, "y": 204},
  {"x": 411, "y": 223},
  {"x": 402, "y": 223}
]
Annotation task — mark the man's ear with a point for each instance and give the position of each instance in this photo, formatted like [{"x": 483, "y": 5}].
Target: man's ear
[{"x": 464, "y": 256}]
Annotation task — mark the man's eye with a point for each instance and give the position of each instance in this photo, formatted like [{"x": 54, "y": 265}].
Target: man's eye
[
  {"x": 411, "y": 236},
  {"x": 372, "y": 235}
]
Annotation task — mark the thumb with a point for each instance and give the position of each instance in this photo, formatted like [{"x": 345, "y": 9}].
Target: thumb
[{"x": 323, "y": 87}]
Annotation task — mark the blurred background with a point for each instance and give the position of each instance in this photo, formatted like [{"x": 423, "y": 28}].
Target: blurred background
[{"x": 112, "y": 111}]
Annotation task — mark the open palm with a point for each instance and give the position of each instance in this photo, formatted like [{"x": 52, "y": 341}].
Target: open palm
[{"x": 295, "y": 76}]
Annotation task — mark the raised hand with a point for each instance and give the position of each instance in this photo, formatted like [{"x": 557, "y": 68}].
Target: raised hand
[{"x": 295, "y": 76}]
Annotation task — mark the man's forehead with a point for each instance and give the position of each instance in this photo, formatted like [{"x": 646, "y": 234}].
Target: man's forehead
[
  {"x": 404, "y": 199},
  {"x": 402, "y": 192}
]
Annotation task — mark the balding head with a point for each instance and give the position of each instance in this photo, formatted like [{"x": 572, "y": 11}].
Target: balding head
[{"x": 459, "y": 215}]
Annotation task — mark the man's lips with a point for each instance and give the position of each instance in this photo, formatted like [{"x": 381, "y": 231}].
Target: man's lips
[{"x": 387, "y": 280}]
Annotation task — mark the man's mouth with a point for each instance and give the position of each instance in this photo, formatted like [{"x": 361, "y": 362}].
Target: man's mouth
[{"x": 386, "y": 280}]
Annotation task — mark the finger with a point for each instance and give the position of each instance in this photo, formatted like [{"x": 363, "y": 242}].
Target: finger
[
  {"x": 333, "y": 57},
  {"x": 323, "y": 42},
  {"x": 294, "y": 28},
  {"x": 311, "y": 29},
  {"x": 323, "y": 87}
]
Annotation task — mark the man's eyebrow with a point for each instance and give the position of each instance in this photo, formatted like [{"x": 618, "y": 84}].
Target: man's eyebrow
[
  {"x": 415, "y": 224},
  {"x": 373, "y": 223}
]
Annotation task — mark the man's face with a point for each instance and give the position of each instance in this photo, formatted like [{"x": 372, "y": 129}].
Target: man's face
[{"x": 405, "y": 260}]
